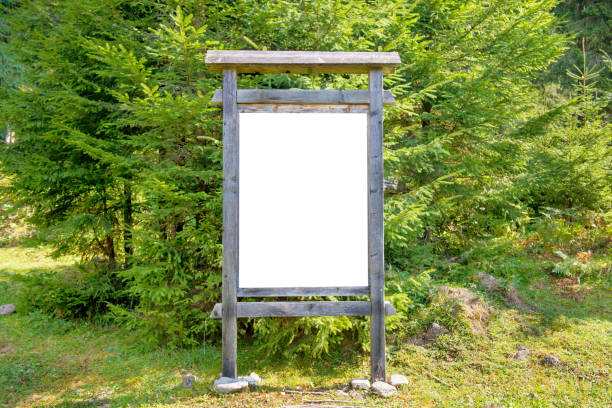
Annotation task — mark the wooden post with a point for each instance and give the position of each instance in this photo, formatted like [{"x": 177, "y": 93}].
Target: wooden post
[
  {"x": 375, "y": 226},
  {"x": 230, "y": 221}
]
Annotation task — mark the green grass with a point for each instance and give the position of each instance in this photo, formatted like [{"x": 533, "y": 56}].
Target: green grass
[{"x": 51, "y": 362}]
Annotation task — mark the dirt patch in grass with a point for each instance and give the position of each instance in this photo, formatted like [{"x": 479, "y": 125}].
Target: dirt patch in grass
[
  {"x": 469, "y": 305},
  {"x": 6, "y": 349},
  {"x": 571, "y": 288}
]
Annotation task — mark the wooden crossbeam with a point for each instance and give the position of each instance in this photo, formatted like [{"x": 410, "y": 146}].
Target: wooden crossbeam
[
  {"x": 302, "y": 96},
  {"x": 301, "y": 61},
  {"x": 296, "y": 309},
  {"x": 323, "y": 291}
]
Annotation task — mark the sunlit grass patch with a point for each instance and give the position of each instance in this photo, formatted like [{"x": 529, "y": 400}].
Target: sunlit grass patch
[{"x": 52, "y": 362}]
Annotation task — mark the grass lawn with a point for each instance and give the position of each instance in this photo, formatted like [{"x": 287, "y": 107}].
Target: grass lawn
[{"x": 50, "y": 362}]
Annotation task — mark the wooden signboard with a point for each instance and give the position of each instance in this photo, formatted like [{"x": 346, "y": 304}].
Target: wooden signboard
[{"x": 302, "y": 192}]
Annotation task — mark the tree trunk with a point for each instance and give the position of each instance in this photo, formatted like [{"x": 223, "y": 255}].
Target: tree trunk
[{"x": 128, "y": 248}]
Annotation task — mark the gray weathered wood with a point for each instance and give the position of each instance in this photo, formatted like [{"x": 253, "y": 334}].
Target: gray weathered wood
[
  {"x": 296, "y": 96},
  {"x": 375, "y": 226},
  {"x": 301, "y": 108},
  {"x": 329, "y": 291},
  {"x": 230, "y": 222},
  {"x": 301, "y": 61},
  {"x": 295, "y": 309}
]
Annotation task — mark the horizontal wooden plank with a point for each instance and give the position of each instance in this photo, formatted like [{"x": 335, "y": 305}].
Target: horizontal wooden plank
[
  {"x": 301, "y": 61},
  {"x": 301, "y": 108},
  {"x": 275, "y": 292},
  {"x": 300, "y": 309},
  {"x": 297, "y": 96}
]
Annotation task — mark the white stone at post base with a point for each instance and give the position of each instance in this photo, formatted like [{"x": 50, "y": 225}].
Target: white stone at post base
[
  {"x": 253, "y": 379},
  {"x": 383, "y": 389},
  {"x": 225, "y": 385},
  {"x": 360, "y": 384}
]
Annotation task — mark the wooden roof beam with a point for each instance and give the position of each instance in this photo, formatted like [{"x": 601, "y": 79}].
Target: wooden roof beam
[{"x": 301, "y": 62}]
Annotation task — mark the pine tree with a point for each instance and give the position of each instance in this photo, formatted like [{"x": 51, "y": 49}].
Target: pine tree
[{"x": 119, "y": 152}]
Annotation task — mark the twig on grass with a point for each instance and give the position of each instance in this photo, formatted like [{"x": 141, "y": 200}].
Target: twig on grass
[
  {"x": 437, "y": 379},
  {"x": 338, "y": 401},
  {"x": 324, "y": 406},
  {"x": 305, "y": 392}
]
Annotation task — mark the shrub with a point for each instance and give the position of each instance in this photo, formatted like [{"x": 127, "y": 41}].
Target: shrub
[
  {"x": 83, "y": 291},
  {"x": 581, "y": 267}
]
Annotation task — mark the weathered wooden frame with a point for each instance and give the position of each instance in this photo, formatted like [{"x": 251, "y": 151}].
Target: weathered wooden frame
[{"x": 235, "y": 101}]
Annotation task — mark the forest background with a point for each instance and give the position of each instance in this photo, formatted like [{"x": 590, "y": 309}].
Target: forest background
[{"x": 497, "y": 153}]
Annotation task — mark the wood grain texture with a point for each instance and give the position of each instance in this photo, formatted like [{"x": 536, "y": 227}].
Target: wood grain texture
[
  {"x": 300, "y": 309},
  {"x": 328, "y": 291},
  {"x": 296, "y": 96},
  {"x": 375, "y": 226},
  {"x": 230, "y": 223},
  {"x": 301, "y": 108},
  {"x": 301, "y": 61}
]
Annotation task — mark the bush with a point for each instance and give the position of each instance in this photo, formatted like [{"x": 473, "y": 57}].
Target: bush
[
  {"x": 581, "y": 267},
  {"x": 83, "y": 291}
]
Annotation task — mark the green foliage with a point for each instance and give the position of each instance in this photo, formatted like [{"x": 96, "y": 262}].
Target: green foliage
[
  {"x": 588, "y": 22},
  {"x": 570, "y": 164},
  {"x": 118, "y": 152},
  {"x": 407, "y": 294},
  {"x": 81, "y": 292},
  {"x": 580, "y": 267},
  {"x": 312, "y": 336}
]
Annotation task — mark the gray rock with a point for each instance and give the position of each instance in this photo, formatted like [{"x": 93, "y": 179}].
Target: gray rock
[
  {"x": 253, "y": 379},
  {"x": 355, "y": 394},
  {"x": 398, "y": 380},
  {"x": 435, "y": 331},
  {"x": 360, "y": 384},
  {"x": 342, "y": 393},
  {"x": 383, "y": 389},
  {"x": 7, "y": 309},
  {"x": 225, "y": 385},
  {"x": 189, "y": 380},
  {"x": 550, "y": 361},
  {"x": 522, "y": 353},
  {"x": 489, "y": 282}
]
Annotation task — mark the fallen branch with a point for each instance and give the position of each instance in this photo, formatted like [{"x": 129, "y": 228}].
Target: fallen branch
[
  {"x": 305, "y": 392},
  {"x": 324, "y": 406},
  {"x": 437, "y": 379},
  {"x": 338, "y": 401}
]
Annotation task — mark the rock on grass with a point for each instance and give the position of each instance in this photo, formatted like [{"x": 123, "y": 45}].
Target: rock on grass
[
  {"x": 226, "y": 385},
  {"x": 7, "y": 309},
  {"x": 435, "y": 331},
  {"x": 522, "y": 353},
  {"x": 398, "y": 380},
  {"x": 383, "y": 389},
  {"x": 253, "y": 379},
  {"x": 360, "y": 384},
  {"x": 550, "y": 361},
  {"x": 189, "y": 380}
]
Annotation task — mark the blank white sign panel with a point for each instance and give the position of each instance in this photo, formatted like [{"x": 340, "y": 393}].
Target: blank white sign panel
[{"x": 303, "y": 200}]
